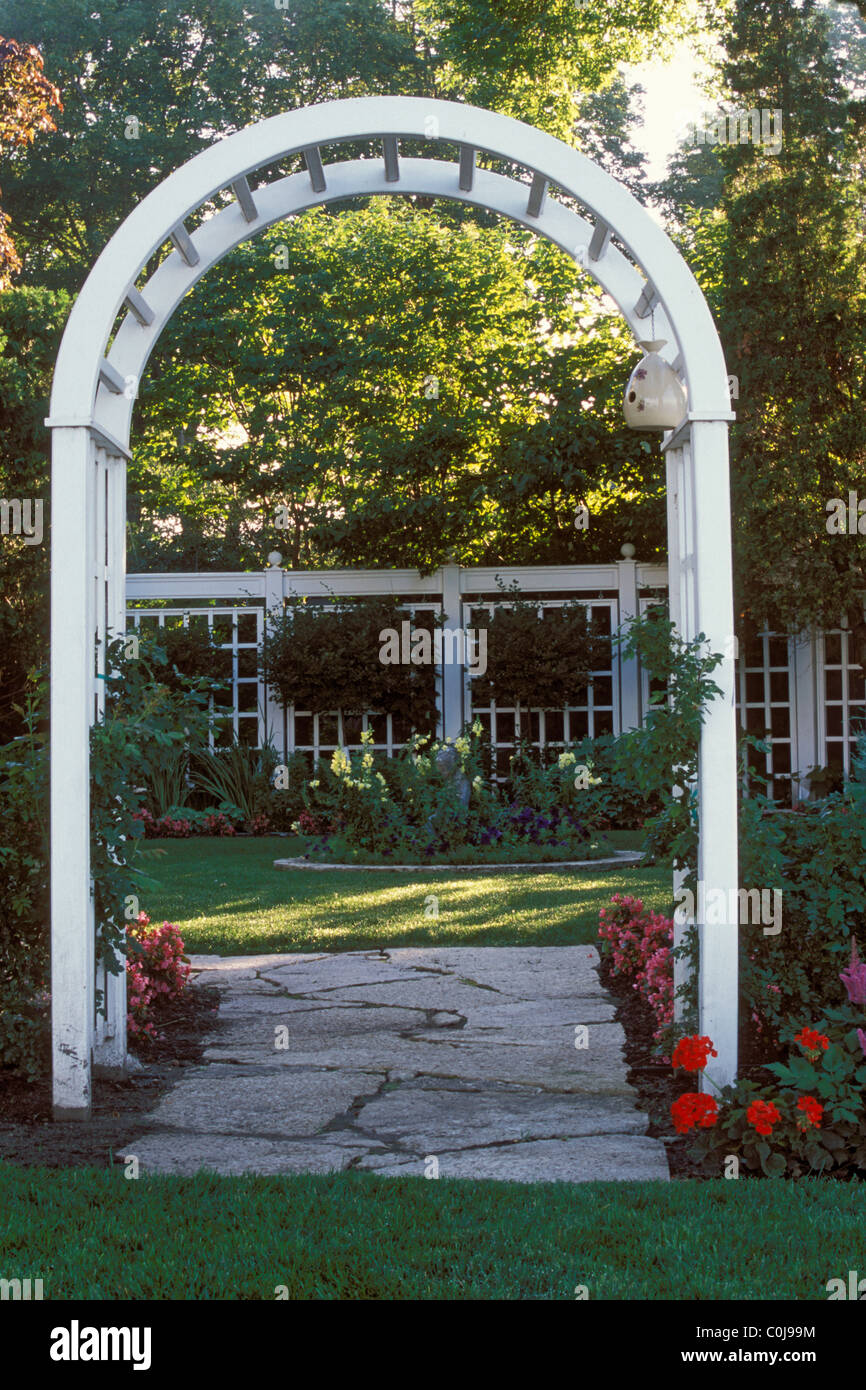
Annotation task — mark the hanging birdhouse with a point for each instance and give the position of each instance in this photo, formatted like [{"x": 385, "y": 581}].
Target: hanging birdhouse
[{"x": 655, "y": 398}]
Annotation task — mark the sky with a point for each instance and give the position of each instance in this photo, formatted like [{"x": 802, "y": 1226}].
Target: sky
[{"x": 673, "y": 100}]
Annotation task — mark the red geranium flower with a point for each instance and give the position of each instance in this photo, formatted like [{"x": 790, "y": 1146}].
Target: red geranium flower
[
  {"x": 692, "y": 1054},
  {"x": 762, "y": 1115},
  {"x": 812, "y": 1041},
  {"x": 812, "y": 1112},
  {"x": 694, "y": 1109}
]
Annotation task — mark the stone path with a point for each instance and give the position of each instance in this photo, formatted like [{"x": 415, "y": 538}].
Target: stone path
[{"x": 458, "y": 1060}]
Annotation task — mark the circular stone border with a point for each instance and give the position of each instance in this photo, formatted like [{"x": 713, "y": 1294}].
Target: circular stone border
[{"x": 622, "y": 858}]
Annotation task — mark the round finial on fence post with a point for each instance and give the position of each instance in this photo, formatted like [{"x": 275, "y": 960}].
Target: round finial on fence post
[
  {"x": 275, "y": 559},
  {"x": 627, "y": 551}
]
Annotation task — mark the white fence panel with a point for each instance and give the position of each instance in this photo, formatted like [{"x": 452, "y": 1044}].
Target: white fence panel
[{"x": 803, "y": 693}]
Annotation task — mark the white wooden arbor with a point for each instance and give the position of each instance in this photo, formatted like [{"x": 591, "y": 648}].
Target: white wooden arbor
[{"x": 91, "y": 405}]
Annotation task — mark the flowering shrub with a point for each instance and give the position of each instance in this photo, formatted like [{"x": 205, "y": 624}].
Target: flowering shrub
[
  {"x": 762, "y": 1115},
  {"x": 589, "y": 778},
  {"x": 694, "y": 1109},
  {"x": 157, "y": 971},
  {"x": 639, "y": 944},
  {"x": 164, "y": 828},
  {"x": 308, "y": 824},
  {"x": 692, "y": 1053},
  {"x": 171, "y": 827},
  {"x": 432, "y": 801},
  {"x": 813, "y": 1120}
]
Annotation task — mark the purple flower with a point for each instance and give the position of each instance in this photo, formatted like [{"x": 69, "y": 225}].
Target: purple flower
[
  {"x": 861, "y": 1038},
  {"x": 854, "y": 977}
]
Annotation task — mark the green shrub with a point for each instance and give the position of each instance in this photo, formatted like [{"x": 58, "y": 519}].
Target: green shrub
[
  {"x": 171, "y": 713},
  {"x": 599, "y": 787},
  {"x": 816, "y": 857},
  {"x": 24, "y": 902},
  {"x": 534, "y": 662},
  {"x": 660, "y": 759},
  {"x": 323, "y": 657},
  {"x": 191, "y": 654},
  {"x": 284, "y": 799}
]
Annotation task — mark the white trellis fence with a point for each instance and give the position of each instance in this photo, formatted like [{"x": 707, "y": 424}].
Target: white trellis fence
[{"x": 804, "y": 692}]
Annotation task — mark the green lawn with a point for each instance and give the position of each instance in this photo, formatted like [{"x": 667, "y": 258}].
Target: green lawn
[
  {"x": 90, "y": 1234},
  {"x": 227, "y": 899}
]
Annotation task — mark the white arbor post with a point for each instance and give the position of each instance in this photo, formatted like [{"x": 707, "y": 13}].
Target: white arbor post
[
  {"x": 706, "y": 459},
  {"x": 680, "y": 604},
  {"x": 72, "y": 710},
  {"x": 110, "y": 1041},
  {"x": 701, "y": 600},
  {"x": 91, "y": 403}
]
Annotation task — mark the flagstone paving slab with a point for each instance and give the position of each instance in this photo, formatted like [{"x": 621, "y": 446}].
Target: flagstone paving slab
[{"x": 496, "y": 1062}]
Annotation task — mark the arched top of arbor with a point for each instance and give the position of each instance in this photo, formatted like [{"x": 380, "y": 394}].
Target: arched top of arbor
[{"x": 95, "y": 384}]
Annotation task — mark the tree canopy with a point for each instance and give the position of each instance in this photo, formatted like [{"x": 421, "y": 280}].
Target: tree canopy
[
  {"x": 397, "y": 381},
  {"x": 389, "y": 386}
]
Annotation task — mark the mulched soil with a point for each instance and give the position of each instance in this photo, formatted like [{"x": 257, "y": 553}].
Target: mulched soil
[{"x": 29, "y": 1136}]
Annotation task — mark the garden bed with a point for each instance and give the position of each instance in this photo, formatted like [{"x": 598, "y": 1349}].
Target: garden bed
[{"x": 655, "y": 1081}]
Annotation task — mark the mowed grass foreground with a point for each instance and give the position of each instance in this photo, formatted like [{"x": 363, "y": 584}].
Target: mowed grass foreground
[
  {"x": 227, "y": 899},
  {"x": 97, "y": 1235}
]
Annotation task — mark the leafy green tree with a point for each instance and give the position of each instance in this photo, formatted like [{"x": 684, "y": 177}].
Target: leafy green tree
[
  {"x": 564, "y": 653},
  {"x": 26, "y": 99},
  {"x": 308, "y": 393},
  {"x": 536, "y": 59},
  {"x": 30, "y": 324},
  {"x": 389, "y": 387},
  {"x": 792, "y": 305},
  {"x": 147, "y": 86}
]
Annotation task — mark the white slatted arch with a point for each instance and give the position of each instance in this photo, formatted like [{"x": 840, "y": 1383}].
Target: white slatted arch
[{"x": 91, "y": 406}]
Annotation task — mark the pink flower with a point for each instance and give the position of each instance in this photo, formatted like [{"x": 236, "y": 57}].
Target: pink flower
[
  {"x": 861, "y": 1038},
  {"x": 853, "y": 977},
  {"x": 155, "y": 972}
]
